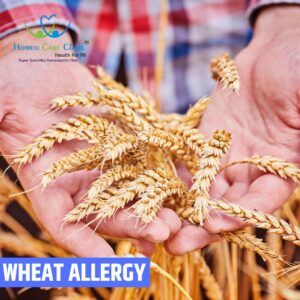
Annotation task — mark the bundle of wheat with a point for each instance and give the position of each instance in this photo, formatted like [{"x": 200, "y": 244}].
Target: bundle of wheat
[{"x": 136, "y": 159}]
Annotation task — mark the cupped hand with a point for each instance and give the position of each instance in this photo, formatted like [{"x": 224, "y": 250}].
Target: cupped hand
[
  {"x": 26, "y": 91},
  {"x": 264, "y": 119}
]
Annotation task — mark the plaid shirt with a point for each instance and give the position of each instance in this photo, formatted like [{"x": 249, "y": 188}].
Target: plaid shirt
[{"x": 196, "y": 31}]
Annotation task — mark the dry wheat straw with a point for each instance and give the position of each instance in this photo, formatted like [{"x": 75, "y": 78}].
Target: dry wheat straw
[
  {"x": 272, "y": 165},
  {"x": 156, "y": 268},
  {"x": 208, "y": 167},
  {"x": 12, "y": 243},
  {"x": 223, "y": 68}
]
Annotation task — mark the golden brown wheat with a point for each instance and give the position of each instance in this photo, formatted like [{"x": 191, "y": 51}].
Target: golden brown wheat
[
  {"x": 259, "y": 219},
  {"x": 272, "y": 165},
  {"x": 223, "y": 68},
  {"x": 211, "y": 153}
]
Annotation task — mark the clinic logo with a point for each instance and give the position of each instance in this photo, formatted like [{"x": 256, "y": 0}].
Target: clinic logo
[{"x": 43, "y": 32}]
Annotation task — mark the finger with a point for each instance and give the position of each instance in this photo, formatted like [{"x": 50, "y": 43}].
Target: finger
[
  {"x": 81, "y": 240},
  {"x": 189, "y": 238},
  {"x": 266, "y": 194},
  {"x": 171, "y": 219},
  {"x": 145, "y": 247},
  {"x": 124, "y": 225}
]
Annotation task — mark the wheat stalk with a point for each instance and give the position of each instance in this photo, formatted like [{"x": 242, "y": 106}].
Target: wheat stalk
[
  {"x": 156, "y": 268},
  {"x": 272, "y": 165},
  {"x": 223, "y": 68}
]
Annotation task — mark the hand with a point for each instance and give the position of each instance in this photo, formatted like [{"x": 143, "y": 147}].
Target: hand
[
  {"x": 264, "y": 119},
  {"x": 26, "y": 90}
]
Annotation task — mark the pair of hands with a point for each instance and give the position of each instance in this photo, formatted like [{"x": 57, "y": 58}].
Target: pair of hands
[{"x": 263, "y": 119}]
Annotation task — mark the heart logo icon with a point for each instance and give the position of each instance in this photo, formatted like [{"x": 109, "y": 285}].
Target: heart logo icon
[{"x": 53, "y": 34}]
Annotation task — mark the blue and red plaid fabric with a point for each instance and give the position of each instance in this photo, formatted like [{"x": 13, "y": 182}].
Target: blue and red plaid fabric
[{"x": 196, "y": 31}]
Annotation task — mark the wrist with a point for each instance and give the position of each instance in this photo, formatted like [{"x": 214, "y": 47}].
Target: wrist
[{"x": 275, "y": 20}]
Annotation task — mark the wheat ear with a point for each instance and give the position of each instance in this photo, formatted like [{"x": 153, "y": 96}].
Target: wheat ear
[
  {"x": 115, "y": 146},
  {"x": 151, "y": 201},
  {"x": 210, "y": 155},
  {"x": 106, "y": 80},
  {"x": 223, "y": 68},
  {"x": 252, "y": 243},
  {"x": 241, "y": 238},
  {"x": 84, "y": 159},
  {"x": 210, "y": 285},
  {"x": 88, "y": 206},
  {"x": 193, "y": 116},
  {"x": 79, "y": 99},
  {"x": 126, "y": 193},
  {"x": 137, "y": 103},
  {"x": 259, "y": 219},
  {"x": 89, "y": 128},
  {"x": 112, "y": 175},
  {"x": 272, "y": 165}
]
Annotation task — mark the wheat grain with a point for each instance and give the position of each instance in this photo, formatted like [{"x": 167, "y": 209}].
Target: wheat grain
[
  {"x": 272, "y": 165},
  {"x": 210, "y": 155},
  {"x": 223, "y": 68}
]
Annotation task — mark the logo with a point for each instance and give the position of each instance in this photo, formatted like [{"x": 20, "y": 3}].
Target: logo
[{"x": 43, "y": 32}]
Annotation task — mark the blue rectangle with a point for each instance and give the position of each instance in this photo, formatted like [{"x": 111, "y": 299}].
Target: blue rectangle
[{"x": 75, "y": 272}]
